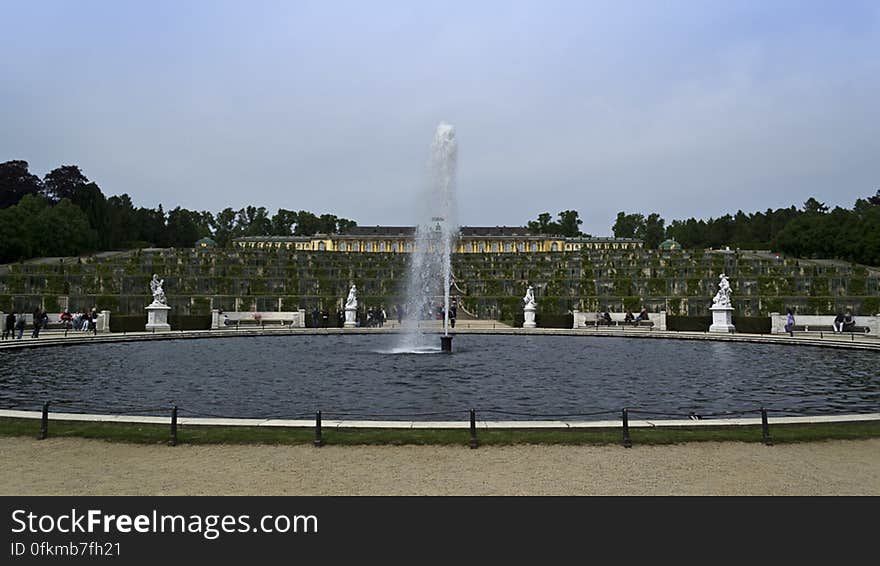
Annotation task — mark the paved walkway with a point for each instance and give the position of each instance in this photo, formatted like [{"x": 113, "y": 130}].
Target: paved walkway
[{"x": 92, "y": 467}]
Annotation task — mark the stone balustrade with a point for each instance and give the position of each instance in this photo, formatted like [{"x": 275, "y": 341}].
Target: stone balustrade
[
  {"x": 293, "y": 319},
  {"x": 583, "y": 319},
  {"x": 103, "y": 322},
  {"x": 817, "y": 322}
]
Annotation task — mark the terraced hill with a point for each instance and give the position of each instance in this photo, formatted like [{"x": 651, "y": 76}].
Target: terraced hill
[{"x": 491, "y": 285}]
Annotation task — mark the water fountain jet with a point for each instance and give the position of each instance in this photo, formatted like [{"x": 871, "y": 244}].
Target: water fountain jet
[{"x": 431, "y": 259}]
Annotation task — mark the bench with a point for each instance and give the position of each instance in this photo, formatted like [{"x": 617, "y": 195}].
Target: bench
[
  {"x": 254, "y": 322},
  {"x": 828, "y": 328},
  {"x": 640, "y": 323}
]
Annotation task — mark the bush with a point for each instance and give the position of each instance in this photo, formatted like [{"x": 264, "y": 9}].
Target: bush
[
  {"x": 752, "y": 324},
  {"x": 688, "y": 323},
  {"x": 138, "y": 322},
  {"x": 127, "y": 322},
  {"x": 552, "y": 320}
]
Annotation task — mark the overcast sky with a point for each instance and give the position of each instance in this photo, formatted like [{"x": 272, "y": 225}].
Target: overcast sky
[{"x": 694, "y": 108}]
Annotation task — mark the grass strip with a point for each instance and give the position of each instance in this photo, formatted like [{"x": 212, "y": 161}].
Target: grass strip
[{"x": 202, "y": 435}]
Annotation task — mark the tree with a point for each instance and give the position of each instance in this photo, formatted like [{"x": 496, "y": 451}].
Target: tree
[
  {"x": 283, "y": 222},
  {"x": 569, "y": 223},
  {"x": 542, "y": 225},
  {"x": 628, "y": 225},
  {"x": 254, "y": 221},
  {"x": 121, "y": 229},
  {"x": 90, "y": 200},
  {"x": 812, "y": 205},
  {"x": 151, "y": 226},
  {"x": 307, "y": 224},
  {"x": 343, "y": 225},
  {"x": 224, "y": 227},
  {"x": 16, "y": 182},
  {"x": 653, "y": 231},
  {"x": 182, "y": 230},
  {"x": 62, "y": 182}
]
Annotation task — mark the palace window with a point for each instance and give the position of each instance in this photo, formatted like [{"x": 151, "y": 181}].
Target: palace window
[
  {"x": 409, "y": 246},
  {"x": 394, "y": 248},
  {"x": 507, "y": 246},
  {"x": 342, "y": 246},
  {"x": 369, "y": 246},
  {"x": 482, "y": 248},
  {"x": 554, "y": 247},
  {"x": 494, "y": 246},
  {"x": 321, "y": 246},
  {"x": 534, "y": 247},
  {"x": 520, "y": 247},
  {"x": 382, "y": 246}
]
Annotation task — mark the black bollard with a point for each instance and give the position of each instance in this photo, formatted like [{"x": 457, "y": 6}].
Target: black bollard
[
  {"x": 446, "y": 343},
  {"x": 173, "y": 440},
  {"x": 765, "y": 428},
  {"x": 627, "y": 441},
  {"x": 44, "y": 422},
  {"x": 318, "y": 441},
  {"x": 473, "y": 442}
]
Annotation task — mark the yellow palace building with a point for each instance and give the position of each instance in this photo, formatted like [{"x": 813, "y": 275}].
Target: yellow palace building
[{"x": 471, "y": 239}]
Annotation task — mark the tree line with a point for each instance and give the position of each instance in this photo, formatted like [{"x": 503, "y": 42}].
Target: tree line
[
  {"x": 810, "y": 231},
  {"x": 65, "y": 214}
]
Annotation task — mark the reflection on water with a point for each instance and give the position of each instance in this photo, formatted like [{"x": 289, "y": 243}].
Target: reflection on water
[{"x": 291, "y": 376}]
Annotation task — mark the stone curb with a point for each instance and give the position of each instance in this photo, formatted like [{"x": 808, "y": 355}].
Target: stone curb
[
  {"x": 856, "y": 342},
  {"x": 463, "y": 424}
]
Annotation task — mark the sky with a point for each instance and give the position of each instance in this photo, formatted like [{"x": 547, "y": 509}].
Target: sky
[{"x": 688, "y": 109}]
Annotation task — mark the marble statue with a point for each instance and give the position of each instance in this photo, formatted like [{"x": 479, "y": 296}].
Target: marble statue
[
  {"x": 156, "y": 289},
  {"x": 529, "y": 299},
  {"x": 351, "y": 301},
  {"x": 157, "y": 311},
  {"x": 722, "y": 310},
  {"x": 529, "y": 309},
  {"x": 722, "y": 297}
]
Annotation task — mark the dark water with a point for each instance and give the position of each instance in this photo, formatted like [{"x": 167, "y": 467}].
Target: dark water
[{"x": 503, "y": 377}]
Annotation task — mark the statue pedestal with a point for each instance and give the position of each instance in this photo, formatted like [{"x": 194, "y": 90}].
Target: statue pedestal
[
  {"x": 722, "y": 320},
  {"x": 350, "y": 317},
  {"x": 157, "y": 318},
  {"x": 529, "y": 313}
]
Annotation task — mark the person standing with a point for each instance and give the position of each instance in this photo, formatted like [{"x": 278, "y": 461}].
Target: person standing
[
  {"x": 38, "y": 322},
  {"x": 789, "y": 322},
  {"x": 19, "y": 325},
  {"x": 9, "y": 330}
]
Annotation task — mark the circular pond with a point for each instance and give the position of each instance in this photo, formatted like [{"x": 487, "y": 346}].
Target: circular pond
[{"x": 503, "y": 377}]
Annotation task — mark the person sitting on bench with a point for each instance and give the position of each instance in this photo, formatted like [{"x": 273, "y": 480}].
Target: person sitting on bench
[
  {"x": 837, "y": 325},
  {"x": 849, "y": 323},
  {"x": 643, "y": 316}
]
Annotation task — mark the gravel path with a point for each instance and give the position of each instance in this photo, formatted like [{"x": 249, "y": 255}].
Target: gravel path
[{"x": 94, "y": 467}]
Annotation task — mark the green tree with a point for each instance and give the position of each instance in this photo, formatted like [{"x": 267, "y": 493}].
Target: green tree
[
  {"x": 543, "y": 225},
  {"x": 628, "y": 225},
  {"x": 652, "y": 231},
  {"x": 63, "y": 181},
  {"x": 569, "y": 223},
  {"x": 16, "y": 182},
  {"x": 224, "y": 226},
  {"x": 89, "y": 199},
  {"x": 121, "y": 227},
  {"x": 182, "y": 229}
]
